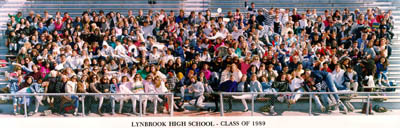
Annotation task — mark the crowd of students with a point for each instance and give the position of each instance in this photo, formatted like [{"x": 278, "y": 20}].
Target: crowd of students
[{"x": 197, "y": 55}]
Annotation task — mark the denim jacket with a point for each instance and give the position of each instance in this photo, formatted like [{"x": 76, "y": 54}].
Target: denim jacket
[
  {"x": 36, "y": 88},
  {"x": 114, "y": 88},
  {"x": 13, "y": 85}
]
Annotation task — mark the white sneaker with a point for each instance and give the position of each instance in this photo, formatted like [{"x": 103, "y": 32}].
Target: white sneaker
[
  {"x": 272, "y": 111},
  {"x": 75, "y": 113}
]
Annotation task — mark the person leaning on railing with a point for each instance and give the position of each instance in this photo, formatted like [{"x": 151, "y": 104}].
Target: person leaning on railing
[
  {"x": 322, "y": 76},
  {"x": 102, "y": 87},
  {"x": 15, "y": 79},
  {"x": 71, "y": 87},
  {"x": 60, "y": 88},
  {"x": 127, "y": 87},
  {"x": 229, "y": 85}
]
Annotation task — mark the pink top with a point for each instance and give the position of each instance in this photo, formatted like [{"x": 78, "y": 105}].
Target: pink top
[
  {"x": 244, "y": 67},
  {"x": 371, "y": 22},
  {"x": 207, "y": 74},
  {"x": 44, "y": 71},
  {"x": 58, "y": 27}
]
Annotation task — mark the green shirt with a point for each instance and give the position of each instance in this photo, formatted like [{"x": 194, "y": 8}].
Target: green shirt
[
  {"x": 18, "y": 19},
  {"x": 143, "y": 73}
]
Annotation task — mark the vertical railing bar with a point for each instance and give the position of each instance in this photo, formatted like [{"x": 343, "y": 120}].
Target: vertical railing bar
[
  {"x": 310, "y": 104},
  {"x": 25, "y": 107},
  {"x": 83, "y": 106},
  {"x": 140, "y": 105},
  {"x": 367, "y": 108},
  {"x": 221, "y": 100},
  {"x": 252, "y": 104},
  {"x": 171, "y": 106}
]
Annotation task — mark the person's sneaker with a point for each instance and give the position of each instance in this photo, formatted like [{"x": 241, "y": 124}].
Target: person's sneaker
[
  {"x": 15, "y": 113},
  {"x": 246, "y": 110},
  {"x": 272, "y": 111},
  {"x": 75, "y": 114},
  {"x": 99, "y": 112},
  {"x": 323, "y": 109},
  {"x": 209, "y": 110},
  {"x": 30, "y": 113}
]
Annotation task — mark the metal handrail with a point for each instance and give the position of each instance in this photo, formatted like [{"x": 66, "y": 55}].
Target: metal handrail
[
  {"x": 80, "y": 94},
  {"x": 278, "y": 93},
  {"x": 24, "y": 95},
  {"x": 221, "y": 95}
]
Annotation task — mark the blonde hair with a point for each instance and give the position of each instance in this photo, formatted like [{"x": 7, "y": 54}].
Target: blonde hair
[{"x": 27, "y": 45}]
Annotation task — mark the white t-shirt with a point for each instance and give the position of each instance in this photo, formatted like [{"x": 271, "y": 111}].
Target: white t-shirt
[
  {"x": 296, "y": 83},
  {"x": 235, "y": 35}
]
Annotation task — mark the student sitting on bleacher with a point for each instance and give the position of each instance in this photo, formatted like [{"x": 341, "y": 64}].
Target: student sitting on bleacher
[{"x": 351, "y": 79}]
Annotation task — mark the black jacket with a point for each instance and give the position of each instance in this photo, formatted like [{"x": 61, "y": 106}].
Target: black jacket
[
  {"x": 60, "y": 87},
  {"x": 280, "y": 86},
  {"x": 103, "y": 87},
  {"x": 52, "y": 85}
]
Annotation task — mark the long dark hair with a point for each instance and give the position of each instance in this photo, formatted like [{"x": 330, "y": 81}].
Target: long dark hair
[{"x": 386, "y": 63}]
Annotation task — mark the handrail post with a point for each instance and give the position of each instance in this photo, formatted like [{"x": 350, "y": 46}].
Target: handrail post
[
  {"x": 367, "y": 108},
  {"x": 83, "y": 106},
  {"x": 310, "y": 104},
  {"x": 140, "y": 105},
  {"x": 171, "y": 106},
  {"x": 25, "y": 107},
  {"x": 221, "y": 100},
  {"x": 252, "y": 104}
]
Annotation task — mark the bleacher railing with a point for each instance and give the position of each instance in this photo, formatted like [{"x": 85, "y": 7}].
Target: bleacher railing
[
  {"x": 221, "y": 95},
  {"x": 24, "y": 95},
  {"x": 310, "y": 94}
]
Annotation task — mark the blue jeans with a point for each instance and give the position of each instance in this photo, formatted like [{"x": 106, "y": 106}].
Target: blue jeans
[
  {"x": 183, "y": 91},
  {"x": 296, "y": 97},
  {"x": 382, "y": 76},
  {"x": 75, "y": 99},
  {"x": 13, "y": 89},
  {"x": 25, "y": 69},
  {"x": 341, "y": 86},
  {"x": 325, "y": 98},
  {"x": 331, "y": 86}
]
